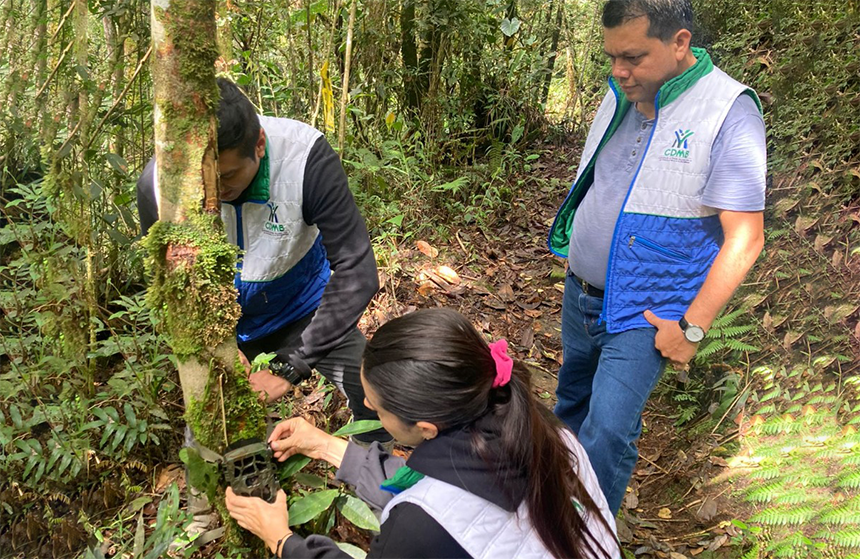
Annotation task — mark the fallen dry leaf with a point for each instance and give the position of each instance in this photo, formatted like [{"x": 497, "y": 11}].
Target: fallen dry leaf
[
  {"x": 168, "y": 475},
  {"x": 708, "y": 510},
  {"x": 718, "y": 543},
  {"x": 528, "y": 338},
  {"x": 448, "y": 275},
  {"x": 506, "y": 292},
  {"x": 426, "y": 288},
  {"x": 631, "y": 500},
  {"x": 427, "y": 249},
  {"x": 665, "y": 513}
]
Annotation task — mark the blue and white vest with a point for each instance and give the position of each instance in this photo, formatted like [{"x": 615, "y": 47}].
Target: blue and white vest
[
  {"x": 665, "y": 239},
  {"x": 487, "y": 531},
  {"x": 284, "y": 269}
]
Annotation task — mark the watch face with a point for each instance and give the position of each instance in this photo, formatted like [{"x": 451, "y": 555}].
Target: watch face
[{"x": 694, "y": 334}]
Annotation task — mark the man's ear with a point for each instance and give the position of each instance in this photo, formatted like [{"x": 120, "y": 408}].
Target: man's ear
[
  {"x": 682, "y": 41},
  {"x": 260, "y": 147},
  {"x": 428, "y": 430}
]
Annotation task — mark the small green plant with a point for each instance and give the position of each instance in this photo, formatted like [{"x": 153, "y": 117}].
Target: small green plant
[{"x": 724, "y": 335}]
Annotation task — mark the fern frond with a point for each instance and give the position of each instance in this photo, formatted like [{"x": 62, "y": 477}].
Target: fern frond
[
  {"x": 845, "y": 538},
  {"x": 728, "y": 319},
  {"x": 797, "y": 496},
  {"x": 765, "y": 493},
  {"x": 766, "y": 473},
  {"x": 852, "y": 480},
  {"x": 848, "y": 513},
  {"x": 752, "y": 553},
  {"x": 851, "y": 460},
  {"x": 738, "y": 345},
  {"x": 795, "y": 545},
  {"x": 735, "y": 331},
  {"x": 782, "y": 516},
  {"x": 708, "y": 349}
]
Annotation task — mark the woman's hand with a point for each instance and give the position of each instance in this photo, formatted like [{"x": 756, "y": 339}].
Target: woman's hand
[
  {"x": 297, "y": 436},
  {"x": 269, "y": 522}
]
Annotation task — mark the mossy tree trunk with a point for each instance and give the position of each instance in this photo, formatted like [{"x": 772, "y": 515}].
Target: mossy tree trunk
[{"x": 189, "y": 258}]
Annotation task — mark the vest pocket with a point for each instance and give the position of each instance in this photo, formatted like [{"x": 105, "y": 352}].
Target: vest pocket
[{"x": 659, "y": 249}]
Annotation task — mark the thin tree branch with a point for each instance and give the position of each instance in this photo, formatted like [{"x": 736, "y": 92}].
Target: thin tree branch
[
  {"x": 57, "y": 67},
  {"x": 63, "y": 20},
  {"x": 120, "y": 98}
]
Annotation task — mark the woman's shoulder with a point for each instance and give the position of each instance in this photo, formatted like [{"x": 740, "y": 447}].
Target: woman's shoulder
[{"x": 410, "y": 532}]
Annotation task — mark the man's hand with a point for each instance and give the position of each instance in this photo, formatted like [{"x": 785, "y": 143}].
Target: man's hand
[
  {"x": 271, "y": 388},
  {"x": 670, "y": 340},
  {"x": 269, "y": 522}
]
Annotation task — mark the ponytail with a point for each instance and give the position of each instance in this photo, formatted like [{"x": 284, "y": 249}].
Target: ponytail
[
  {"x": 432, "y": 365},
  {"x": 531, "y": 438}
]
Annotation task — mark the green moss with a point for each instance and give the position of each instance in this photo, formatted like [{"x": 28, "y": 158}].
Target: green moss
[
  {"x": 245, "y": 413},
  {"x": 192, "y": 267},
  {"x": 245, "y": 418}
]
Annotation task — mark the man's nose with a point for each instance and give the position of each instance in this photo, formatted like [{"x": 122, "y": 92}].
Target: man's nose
[{"x": 620, "y": 70}]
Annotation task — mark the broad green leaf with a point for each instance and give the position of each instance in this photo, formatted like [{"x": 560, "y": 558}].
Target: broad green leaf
[
  {"x": 356, "y": 511},
  {"x": 138, "y": 504},
  {"x": 510, "y": 26},
  {"x": 34, "y": 459},
  {"x": 15, "y": 414},
  {"x": 310, "y": 480},
  {"x": 65, "y": 461},
  {"x": 118, "y": 438},
  {"x": 358, "y": 427},
  {"x": 292, "y": 465},
  {"x": 201, "y": 474},
  {"x": 139, "y": 536},
  {"x": 118, "y": 163},
  {"x": 129, "y": 414},
  {"x": 397, "y": 220},
  {"x": 353, "y": 551},
  {"x": 112, "y": 413},
  {"x": 310, "y": 506}
]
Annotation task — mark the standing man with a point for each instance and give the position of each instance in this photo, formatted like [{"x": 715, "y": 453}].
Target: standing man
[
  {"x": 660, "y": 227},
  {"x": 307, "y": 271}
]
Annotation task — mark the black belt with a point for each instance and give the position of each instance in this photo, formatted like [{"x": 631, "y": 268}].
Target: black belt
[{"x": 587, "y": 288}]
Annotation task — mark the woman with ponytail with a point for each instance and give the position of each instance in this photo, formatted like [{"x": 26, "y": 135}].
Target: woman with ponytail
[{"x": 493, "y": 473}]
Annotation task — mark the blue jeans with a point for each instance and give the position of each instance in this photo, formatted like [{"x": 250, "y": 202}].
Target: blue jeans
[{"x": 603, "y": 386}]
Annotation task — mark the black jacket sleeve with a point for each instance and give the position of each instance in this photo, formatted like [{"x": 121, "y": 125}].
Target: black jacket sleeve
[
  {"x": 408, "y": 532},
  {"x": 147, "y": 205},
  {"x": 328, "y": 204}
]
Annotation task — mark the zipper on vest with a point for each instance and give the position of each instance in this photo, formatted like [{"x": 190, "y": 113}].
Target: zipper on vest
[
  {"x": 240, "y": 237},
  {"x": 657, "y": 248},
  {"x": 591, "y": 162},
  {"x": 607, "y": 292}
]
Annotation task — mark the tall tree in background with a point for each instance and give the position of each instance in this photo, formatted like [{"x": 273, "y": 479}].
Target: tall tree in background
[{"x": 189, "y": 257}]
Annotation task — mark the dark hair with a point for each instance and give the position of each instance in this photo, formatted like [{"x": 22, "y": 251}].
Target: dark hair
[
  {"x": 665, "y": 17},
  {"x": 238, "y": 125},
  {"x": 432, "y": 365}
]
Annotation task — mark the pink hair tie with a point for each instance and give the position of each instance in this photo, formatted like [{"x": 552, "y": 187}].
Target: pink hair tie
[{"x": 504, "y": 364}]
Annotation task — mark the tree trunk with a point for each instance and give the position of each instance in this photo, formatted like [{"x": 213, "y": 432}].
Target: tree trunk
[
  {"x": 409, "y": 54},
  {"x": 225, "y": 32},
  {"x": 344, "y": 94},
  {"x": 550, "y": 65},
  {"x": 190, "y": 260}
]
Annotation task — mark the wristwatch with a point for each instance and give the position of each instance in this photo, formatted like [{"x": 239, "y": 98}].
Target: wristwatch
[
  {"x": 694, "y": 334},
  {"x": 286, "y": 371}
]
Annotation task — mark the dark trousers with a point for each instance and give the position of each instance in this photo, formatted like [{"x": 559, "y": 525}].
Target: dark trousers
[{"x": 341, "y": 366}]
